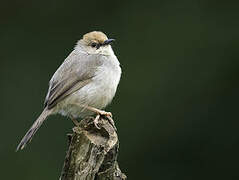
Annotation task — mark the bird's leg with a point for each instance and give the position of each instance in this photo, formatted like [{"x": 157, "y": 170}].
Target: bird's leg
[
  {"x": 75, "y": 121},
  {"x": 98, "y": 111},
  {"x": 101, "y": 113}
]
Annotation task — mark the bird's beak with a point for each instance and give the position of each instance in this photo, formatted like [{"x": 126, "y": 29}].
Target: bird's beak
[{"x": 108, "y": 41}]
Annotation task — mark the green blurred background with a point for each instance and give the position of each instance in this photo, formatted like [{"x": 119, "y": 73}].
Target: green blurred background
[{"x": 176, "y": 108}]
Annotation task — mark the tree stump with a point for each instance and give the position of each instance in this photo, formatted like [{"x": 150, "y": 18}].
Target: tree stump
[{"x": 92, "y": 152}]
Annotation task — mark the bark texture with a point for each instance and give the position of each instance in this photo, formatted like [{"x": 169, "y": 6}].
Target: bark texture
[{"x": 92, "y": 153}]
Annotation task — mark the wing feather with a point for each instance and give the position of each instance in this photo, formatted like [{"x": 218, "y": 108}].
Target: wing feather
[{"x": 74, "y": 73}]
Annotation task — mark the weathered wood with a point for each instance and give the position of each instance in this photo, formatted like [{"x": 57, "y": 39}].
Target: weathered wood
[{"x": 92, "y": 153}]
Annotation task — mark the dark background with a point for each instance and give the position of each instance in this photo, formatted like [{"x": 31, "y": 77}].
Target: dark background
[{"x": 176, "y": 108}]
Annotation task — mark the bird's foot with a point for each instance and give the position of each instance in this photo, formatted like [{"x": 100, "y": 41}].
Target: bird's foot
[
  {"x": 99, "y": 113},
  {"x": 108, "y": 115},
  {"x": 104, "y": 113}
]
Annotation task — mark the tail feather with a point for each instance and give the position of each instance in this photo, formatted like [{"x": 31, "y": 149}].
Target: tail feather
[{"x": 36, "y": 125}]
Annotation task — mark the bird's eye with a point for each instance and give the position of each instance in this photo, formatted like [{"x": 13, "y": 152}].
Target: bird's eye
[{"x": 93, "y": 45}]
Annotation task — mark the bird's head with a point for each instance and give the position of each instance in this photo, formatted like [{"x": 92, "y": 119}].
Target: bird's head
[{"x": 96, "y": 42}]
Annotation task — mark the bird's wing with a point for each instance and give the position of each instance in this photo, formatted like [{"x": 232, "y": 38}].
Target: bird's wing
[{"x": 74, "y": 73}]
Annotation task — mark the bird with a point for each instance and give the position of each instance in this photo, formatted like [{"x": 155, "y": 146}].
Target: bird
[{"x": 83, "y": 85}]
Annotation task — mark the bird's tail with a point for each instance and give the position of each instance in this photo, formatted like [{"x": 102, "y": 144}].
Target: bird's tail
[{"x": 36, "y": 125}]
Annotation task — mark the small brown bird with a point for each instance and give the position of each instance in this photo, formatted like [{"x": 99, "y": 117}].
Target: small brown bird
[{"x": 84, "y": 84}]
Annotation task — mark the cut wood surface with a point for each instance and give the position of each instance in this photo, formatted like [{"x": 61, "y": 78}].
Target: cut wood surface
[{"x": 92, "y": 152}]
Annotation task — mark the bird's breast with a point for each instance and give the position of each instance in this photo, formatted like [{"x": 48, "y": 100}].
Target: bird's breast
[{"x": 105, "y": 83}]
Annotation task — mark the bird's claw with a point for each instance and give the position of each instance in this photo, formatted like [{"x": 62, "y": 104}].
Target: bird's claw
[
  {"x": 96, "y": 121},
  {"x": 104, "y": 113},
  {"x": 108, "y": 115}
]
